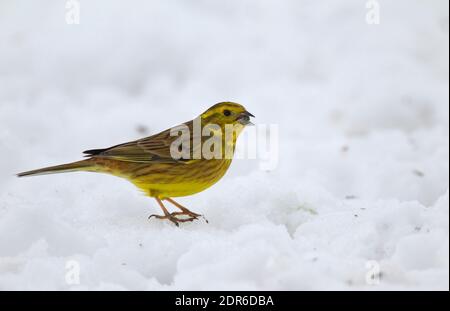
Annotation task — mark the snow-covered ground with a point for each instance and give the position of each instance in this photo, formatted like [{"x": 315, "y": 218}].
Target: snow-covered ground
[{"x": 359, "y": 198}]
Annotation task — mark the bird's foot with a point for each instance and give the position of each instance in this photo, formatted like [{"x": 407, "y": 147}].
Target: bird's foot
[
  {"x": 170, "y": 217},
  {"x": 185, "y": 211},
  {"x": 173, "y": 217},
  {"x": 192, "y": 216}
]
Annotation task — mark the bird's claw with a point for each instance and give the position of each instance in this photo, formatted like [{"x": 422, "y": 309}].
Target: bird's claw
[
  {"x": 176, "y": 220},
  {"x": 169, "y": 217},
  {"x": 192, "y": 215}
]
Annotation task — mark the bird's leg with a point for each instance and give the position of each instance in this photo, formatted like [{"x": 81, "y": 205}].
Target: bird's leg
[
  {"x": 185, "y": 211},
  {"x": 167, "y": 215}
]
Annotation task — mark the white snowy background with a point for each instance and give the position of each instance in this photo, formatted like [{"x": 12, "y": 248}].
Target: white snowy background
[{"x": 362, "y": 178}]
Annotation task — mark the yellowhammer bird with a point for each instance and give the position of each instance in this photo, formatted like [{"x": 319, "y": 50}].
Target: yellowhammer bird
[{"x": 168, "y": 164}]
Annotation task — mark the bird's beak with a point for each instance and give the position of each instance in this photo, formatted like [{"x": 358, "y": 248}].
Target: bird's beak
[{"x": 244, "y": 118}]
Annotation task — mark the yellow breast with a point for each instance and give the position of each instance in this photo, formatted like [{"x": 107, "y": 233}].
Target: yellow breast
[{"x": 178, "y": 179}]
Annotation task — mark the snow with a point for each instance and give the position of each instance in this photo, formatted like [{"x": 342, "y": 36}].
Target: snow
[{"x": 359, "y": 198}]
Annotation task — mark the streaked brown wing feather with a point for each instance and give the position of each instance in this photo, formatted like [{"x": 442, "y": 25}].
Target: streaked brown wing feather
[{"x": 153, "y": 149}]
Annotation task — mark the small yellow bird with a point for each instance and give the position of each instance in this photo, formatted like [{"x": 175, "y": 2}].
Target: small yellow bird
[{"x": 167, "y": 165}]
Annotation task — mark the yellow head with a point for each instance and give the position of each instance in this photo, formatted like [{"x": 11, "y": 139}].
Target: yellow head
[{"x": 227, "y": 113}]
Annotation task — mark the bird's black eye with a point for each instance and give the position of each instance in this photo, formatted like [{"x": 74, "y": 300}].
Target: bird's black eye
[{"x": 226, "y": 112}]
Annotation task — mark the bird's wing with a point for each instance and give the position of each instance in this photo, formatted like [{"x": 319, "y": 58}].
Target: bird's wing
[{"x": 153, "y": 149}]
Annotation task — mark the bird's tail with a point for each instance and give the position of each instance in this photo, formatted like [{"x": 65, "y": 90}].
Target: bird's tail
[{"x": 84, "y": 165}]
